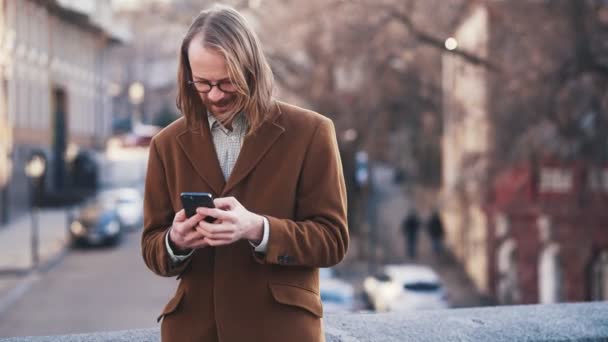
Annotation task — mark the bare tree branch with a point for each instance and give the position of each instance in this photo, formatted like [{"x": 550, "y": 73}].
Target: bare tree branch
[{"x": 439, "y": 43}]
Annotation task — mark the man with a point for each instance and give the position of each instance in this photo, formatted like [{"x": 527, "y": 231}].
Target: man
[
  {"x": 435, "y": 230},
  {"x": 410, "y": 227},
  {"x": 275, "y": 171}
]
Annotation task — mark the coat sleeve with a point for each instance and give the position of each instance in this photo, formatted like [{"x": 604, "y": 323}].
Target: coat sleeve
[
  {"x": 158, "y": 218},
  {"x": 318, "y": 237}
]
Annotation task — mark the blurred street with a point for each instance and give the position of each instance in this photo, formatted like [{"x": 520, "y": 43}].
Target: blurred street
[
  {"x": 113, "y": 280},
  {"x": 97, "y": 289}
]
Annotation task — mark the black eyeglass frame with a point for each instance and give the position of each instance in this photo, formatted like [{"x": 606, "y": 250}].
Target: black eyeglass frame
[{"x": 211, "y": 85}]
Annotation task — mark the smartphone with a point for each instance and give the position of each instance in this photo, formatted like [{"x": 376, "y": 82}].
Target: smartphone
[{"x": 193, "y": 200}]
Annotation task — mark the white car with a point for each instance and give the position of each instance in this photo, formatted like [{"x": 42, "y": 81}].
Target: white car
[
  {"x": 404, "y": 288},
  {"x": 128, "y": 203},
  {"x": 336, "y": 294}
]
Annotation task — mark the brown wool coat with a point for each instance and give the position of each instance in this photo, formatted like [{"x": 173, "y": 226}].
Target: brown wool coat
[{"x": 288, "y": 171}]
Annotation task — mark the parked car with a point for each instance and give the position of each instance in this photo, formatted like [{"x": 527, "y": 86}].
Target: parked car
[
  {"x": 404, "y": 288},
  {"x": 96, "y": 223},
  {"x": 336, "y": 294},
  {"x": 129, "y": 204}
]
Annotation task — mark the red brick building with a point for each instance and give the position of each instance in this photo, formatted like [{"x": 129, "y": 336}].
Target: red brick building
[{"x": 548, "y": 234}]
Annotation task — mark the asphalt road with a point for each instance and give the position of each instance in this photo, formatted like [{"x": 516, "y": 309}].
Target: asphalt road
[{"x": 91, "y": 290}]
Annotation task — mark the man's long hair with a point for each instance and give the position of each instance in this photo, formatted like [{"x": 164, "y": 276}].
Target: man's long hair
[{"x": 225, "y": 30}]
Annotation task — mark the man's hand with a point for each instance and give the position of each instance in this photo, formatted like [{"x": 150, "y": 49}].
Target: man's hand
[
  {"x": 183, "y": 234},
  {"x": 233, "y": 223}
]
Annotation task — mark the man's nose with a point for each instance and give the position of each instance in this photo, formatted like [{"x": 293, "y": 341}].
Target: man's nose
[{"x": 215, "y": 94}]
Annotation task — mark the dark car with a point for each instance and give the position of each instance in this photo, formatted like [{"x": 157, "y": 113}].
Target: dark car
[{"x": 96, "y": 223}]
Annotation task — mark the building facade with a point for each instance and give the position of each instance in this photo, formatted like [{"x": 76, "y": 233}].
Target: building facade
[
  {"x": 53, "y": 92},
  {"x": 466, "y": 143},
  {"x": 507, "y": 135}
]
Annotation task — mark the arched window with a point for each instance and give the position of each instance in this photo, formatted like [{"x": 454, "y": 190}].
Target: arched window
[
  {"x": 599, "y": 277},
  {"x": 508, "y": 284},
  {"x": 550, "y": 275}
]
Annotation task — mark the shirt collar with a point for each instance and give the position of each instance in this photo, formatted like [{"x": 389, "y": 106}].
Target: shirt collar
[{"x": 239, "y": 123}]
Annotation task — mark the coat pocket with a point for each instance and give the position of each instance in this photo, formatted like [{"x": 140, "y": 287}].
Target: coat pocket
[
  {"x": 172, "y": 305},
  {"x": 298, "y": 297}
]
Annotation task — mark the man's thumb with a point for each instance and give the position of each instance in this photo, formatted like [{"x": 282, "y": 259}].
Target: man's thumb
[{"x": 180, "y": 216}]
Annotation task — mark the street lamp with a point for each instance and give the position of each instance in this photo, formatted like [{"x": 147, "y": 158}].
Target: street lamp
[
  {"x": 451, "y": 44},
  {"x": 34, "y": 169}
]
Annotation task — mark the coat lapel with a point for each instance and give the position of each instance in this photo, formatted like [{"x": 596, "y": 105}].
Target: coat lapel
[
  {"x": 254, "y": 148},
  {"x": 199, "y": 149}
]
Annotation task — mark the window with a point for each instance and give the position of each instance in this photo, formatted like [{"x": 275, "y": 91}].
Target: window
[
  {"x": 508, "y": 281},
  {"x": 422, "y": 287},
  {"x": 550, "y": 275},
  {"x": 598, "y": 180},
  {"x": 599, "y": 278},
  {"x": 556, "y": 180}
]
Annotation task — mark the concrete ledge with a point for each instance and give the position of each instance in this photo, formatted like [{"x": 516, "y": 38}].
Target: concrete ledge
[{"x": 561, "y": 322}]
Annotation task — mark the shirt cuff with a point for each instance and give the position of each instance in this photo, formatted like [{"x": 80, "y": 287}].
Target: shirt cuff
[
  {"x": 263, "y": 246},
  {"x": 176, "y": 259}
]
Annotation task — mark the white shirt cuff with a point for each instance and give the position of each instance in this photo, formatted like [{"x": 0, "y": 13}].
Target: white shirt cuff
[
  {"x": 263, "y": 246},
  {"x": 176, "y": 259}
]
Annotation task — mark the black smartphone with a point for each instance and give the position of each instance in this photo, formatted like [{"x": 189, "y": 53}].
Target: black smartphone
[{"x": 193, "y": 200}]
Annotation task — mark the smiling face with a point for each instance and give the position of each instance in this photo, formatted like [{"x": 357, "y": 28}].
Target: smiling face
[
  {"x": 209, "y": 65},
  {"x": 223, "y": 71}
]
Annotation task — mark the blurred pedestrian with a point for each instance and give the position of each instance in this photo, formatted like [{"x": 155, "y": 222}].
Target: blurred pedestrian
[
  {"x": 410, "y": 227},
  {"x": 435, "y": 230},
  {"x": 280, "y": 206}
]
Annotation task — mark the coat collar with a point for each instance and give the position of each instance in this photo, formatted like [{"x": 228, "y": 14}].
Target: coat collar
[{"x": 198, "y": 146}]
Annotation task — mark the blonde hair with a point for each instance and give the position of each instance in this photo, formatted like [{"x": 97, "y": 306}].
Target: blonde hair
[{"x": 225, "y": 30}]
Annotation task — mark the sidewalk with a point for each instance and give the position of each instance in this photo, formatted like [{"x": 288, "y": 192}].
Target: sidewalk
[
  {"x": 390, "y": 249},
  {"x": 15, "y": 245}
]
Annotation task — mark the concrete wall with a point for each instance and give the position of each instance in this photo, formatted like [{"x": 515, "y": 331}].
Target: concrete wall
[{"x": 564, "y": 322}]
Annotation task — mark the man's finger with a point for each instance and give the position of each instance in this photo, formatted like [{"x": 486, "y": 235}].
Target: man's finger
[
  {"x": 192, "y": 238},
  {"x": 194, "y": 220},
  {"x": 226, "y": 203},
  {"x": 215, "y": 212},
  {"x": 212, "y": 232},
  {"x": 193, "y": 235},
  {"x": 211, "y": 227},
  {"x": 213, "y": 242},
  {"x": 221, "y": 237},
  {"x": 196, "y": 244}
]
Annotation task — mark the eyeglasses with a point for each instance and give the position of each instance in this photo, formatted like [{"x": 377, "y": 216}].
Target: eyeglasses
[{"x": 206, "y": 86}]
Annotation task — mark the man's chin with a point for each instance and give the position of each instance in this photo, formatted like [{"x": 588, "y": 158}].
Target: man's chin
[
  {"x": 221, "y": 109},
  {"x": 221, "y": 113}
]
